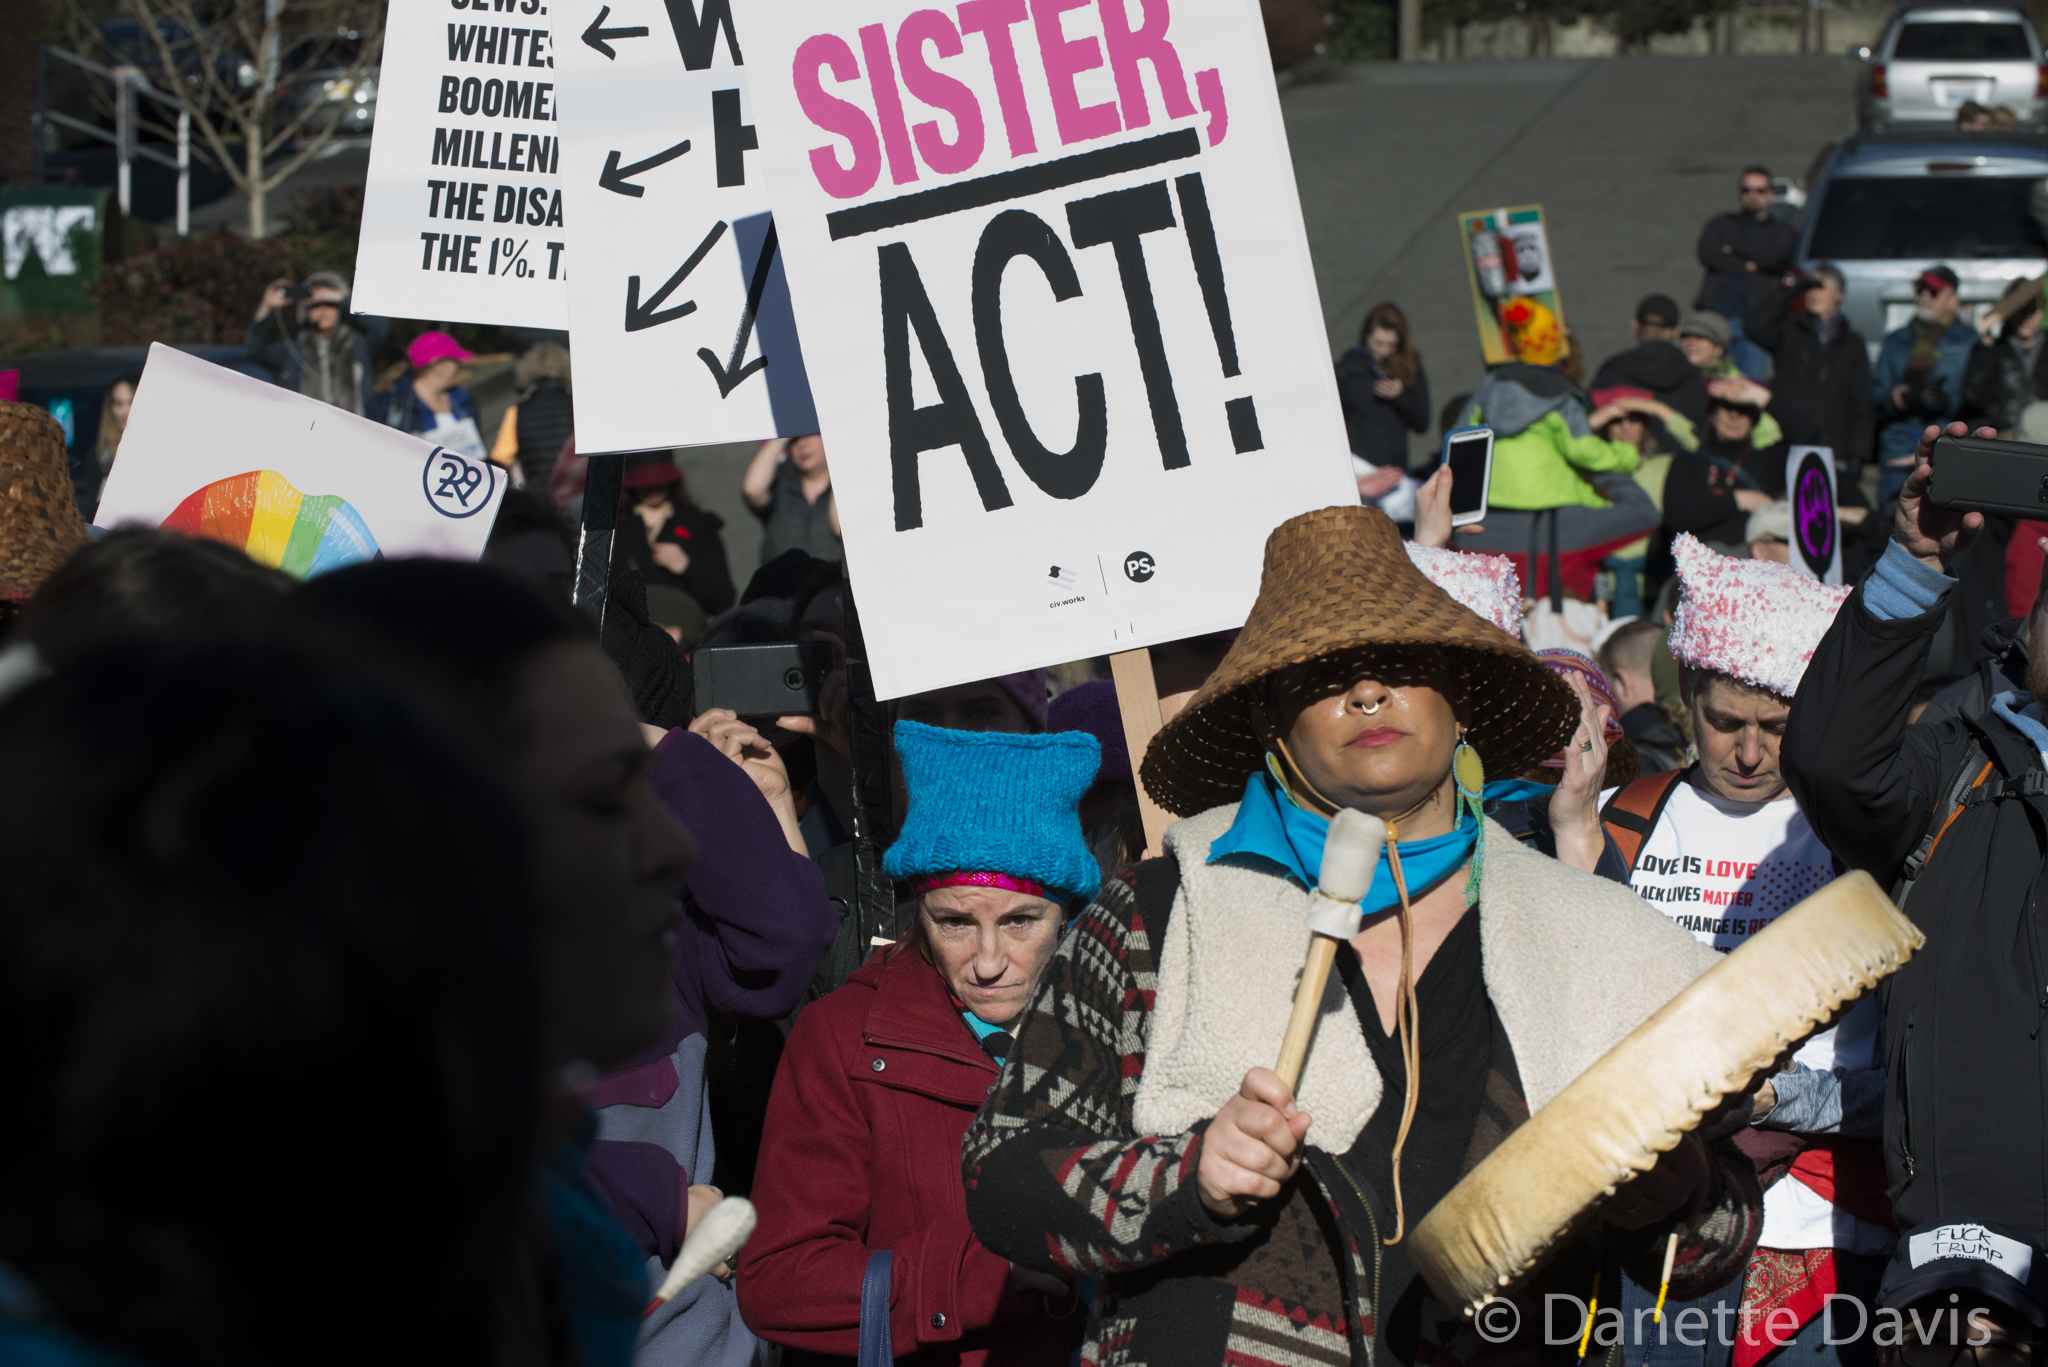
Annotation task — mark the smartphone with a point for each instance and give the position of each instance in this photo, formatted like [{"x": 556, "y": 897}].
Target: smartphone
[
  {"x": 777, "y": 679},
  {"x": 298, "y": 291},
  {"x": 1469, "y": 453},
  {"x": 1972, "y": 473}
]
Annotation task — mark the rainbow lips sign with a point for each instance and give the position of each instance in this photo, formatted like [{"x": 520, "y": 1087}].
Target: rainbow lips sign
[
  {"x": 262, "y": 514},
  {"x": 294, "y": 483}
]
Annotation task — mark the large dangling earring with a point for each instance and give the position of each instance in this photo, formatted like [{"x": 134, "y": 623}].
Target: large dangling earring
[
  {"x": 1469, "y": 772},
  {"x": 1468, "y": 775}
]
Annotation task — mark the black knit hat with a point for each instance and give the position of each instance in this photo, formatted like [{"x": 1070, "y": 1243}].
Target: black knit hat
[{"x": 1657, "y": 311}]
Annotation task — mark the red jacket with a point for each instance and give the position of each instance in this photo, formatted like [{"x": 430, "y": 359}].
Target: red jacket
[{"x": 860, "y": 1152}]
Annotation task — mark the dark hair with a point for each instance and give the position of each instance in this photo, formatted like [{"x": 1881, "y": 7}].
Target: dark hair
[
  {"x": 464, "y": 630},
  {"x": 140, "y": 582},
  {"x": 1749, "y": 171},
  {"x": 265, "y": 950},
  {"x": 1405, "y": 364}
]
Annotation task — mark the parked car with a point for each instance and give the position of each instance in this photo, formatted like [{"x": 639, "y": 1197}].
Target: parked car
[
  {"x": 1935, "y": 58},
  {"x": 328, "y": 76},
  {"x": 1886, "y": 206}
]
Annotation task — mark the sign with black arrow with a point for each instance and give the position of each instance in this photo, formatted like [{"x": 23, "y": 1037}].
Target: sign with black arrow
[
  {"x": 712, "y": 335},
  {"x": 613, "y": 177},
  {"x": 597, "y": 36}
]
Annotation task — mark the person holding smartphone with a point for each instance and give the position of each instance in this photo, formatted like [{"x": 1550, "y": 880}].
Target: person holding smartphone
[{"x": 313, "y": 344}]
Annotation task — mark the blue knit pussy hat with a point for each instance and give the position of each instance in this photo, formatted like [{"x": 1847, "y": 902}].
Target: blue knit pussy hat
[{"x": 995, "y": 809}]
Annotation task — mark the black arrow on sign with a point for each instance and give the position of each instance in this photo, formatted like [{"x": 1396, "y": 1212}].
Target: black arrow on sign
[
  {"x": 595, "y": 36},
  {"x": 654, "y": 315},
  {"x": 613, "y": 177},
  {"x": 730, "y": 375}
]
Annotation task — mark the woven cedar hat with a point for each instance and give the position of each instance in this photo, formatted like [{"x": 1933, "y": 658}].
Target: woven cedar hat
[
  {"x": 1337, "y": 582},
  {"x": 39, "y": 522}
]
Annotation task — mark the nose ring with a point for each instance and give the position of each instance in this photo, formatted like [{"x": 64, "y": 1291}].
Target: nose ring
[{"x": 1374, "y": 708}]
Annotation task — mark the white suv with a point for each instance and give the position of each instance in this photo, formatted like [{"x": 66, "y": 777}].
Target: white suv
[{"x": 1935, "y": 58}]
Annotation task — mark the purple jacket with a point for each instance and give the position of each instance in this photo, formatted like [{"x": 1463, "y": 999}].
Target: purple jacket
[{"x": 751, "y": 927}]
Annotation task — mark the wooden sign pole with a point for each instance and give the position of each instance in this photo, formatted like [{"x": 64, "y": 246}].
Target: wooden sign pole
[{"x": 1137, "y": 697}]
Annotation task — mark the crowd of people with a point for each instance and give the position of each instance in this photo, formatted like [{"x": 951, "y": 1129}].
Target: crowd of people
[{"x": 395, "y": 958}]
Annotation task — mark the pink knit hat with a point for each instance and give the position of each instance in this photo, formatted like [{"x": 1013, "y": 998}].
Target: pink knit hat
[
  {"x": 1487, "y": 584},
  {"x": 1753, "y": 620},
  {"x": 430, "y": 347}
]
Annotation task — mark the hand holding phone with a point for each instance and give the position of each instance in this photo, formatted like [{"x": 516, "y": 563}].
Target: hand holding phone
[
  {"x": 1932, "y": 533},
  {"x": 775, "y": 679},
  {"x": 1468, "y": 453}
]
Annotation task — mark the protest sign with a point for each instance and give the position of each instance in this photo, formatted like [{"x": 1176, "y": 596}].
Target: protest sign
[
  {"x": 1059, "y": 316},
  {"x": 1514, "y": 290},
  {"x": 1816, "y": 528},
  {"x": 679, "y": 314},
  {"x": 462, "y": 211},
  {"x": 292, "y": 481}
]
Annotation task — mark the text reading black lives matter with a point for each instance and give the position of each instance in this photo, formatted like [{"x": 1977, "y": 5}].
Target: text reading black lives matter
[{"x": 493, "y": 135}]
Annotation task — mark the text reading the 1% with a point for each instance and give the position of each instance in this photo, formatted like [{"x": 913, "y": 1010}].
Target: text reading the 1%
[{"x": 514, "y": 258}]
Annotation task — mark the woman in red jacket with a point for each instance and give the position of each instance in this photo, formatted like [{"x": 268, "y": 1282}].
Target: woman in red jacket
[{"x": 861, "y": 1149}]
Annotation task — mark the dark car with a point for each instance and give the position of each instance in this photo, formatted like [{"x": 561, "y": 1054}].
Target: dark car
[{"x": 72, "y": 386}]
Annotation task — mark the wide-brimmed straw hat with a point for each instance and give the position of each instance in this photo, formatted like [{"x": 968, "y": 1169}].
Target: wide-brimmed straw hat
[
  {"x": 1337, "y": 582},
  {"x": 39, "y": 521}
]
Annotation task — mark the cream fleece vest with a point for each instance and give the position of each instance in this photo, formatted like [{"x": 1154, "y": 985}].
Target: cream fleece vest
[{"x": 1572, "y": 963}]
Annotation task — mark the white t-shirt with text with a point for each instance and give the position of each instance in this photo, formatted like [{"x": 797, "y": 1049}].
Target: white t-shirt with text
[{"x": 1724, "y": 870}]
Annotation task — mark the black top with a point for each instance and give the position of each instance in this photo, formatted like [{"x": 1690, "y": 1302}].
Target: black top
[
  {"x": 1378, "y": 428},
  {"x": 1471, "y": 1096},
  {"x": 1730, "y": 287},
  {"x": 1699, "y": 491}
]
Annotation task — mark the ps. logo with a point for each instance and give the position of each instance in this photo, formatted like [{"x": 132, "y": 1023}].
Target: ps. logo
[
  {"x": 456, "y": 485},
  {"x": 1138, "y": 567}
]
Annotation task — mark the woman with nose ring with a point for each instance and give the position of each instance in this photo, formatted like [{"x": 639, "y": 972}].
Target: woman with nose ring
[
  {"x": 861, "y": 1148},
  {"x": 1139, "y": 1133}
]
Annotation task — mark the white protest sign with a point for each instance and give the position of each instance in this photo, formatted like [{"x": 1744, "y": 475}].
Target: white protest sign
[
  {"x": 292, "y": 481},
  {"x": 1816, "y": 532},
  {"x": 679, "y": 314},
  {"x": 1059, "y": 316},
  {"x": 462, "y": 211}
]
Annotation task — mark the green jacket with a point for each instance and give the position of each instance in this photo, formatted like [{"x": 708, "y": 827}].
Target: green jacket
[{"x": 1544, "y": 465}]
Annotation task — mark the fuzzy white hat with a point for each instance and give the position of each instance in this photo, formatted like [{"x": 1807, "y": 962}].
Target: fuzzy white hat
[
  {"x": 1753, "y": 620},
  {"x": 1487, "y": 584}
]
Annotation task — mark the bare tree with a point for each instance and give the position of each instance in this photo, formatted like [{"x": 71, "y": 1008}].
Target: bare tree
[{"x": 228, "y": 63}]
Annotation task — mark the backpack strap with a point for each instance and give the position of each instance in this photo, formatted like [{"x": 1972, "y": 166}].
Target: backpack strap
[
  {"x": 1966, "y": 788},
  {"x": 1631, "y": 814}
]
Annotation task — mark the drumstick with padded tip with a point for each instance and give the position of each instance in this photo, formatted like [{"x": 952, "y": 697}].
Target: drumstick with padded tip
[
  {"x": 721, "y": 1232},
  {"x": 1350, "y": 855}
]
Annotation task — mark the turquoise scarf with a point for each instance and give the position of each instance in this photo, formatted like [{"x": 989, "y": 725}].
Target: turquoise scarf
[{"x": 1271, "y": 827}]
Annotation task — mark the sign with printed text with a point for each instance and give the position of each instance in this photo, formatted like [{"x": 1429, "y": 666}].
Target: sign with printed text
[
  {"x": 679, "y": 316},
  {"x": 295, "y": 483},
  {"x": 462, "y": 211},
  {"x": 1059, "y": 315},
  {"x": 1816, "y": 530}
]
